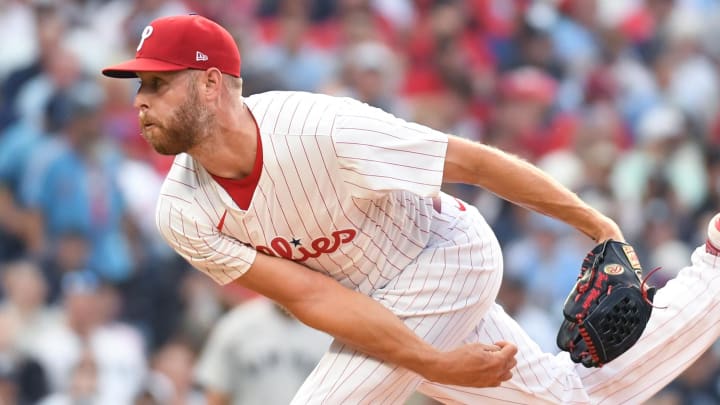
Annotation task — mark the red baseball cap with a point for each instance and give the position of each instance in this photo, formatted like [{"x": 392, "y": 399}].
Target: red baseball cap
[{"x": 181, "y": 42}]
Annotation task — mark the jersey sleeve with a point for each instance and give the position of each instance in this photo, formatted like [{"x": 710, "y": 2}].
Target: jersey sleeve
[
  {"x": 219, "y": 256},
  {"x": 378, "y": 152}
]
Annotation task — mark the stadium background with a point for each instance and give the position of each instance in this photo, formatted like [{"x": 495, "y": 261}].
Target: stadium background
[{"x": 618, "y": 100}]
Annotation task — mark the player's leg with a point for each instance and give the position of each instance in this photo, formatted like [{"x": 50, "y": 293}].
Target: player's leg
[
  {"x": 673, "y": 339},
  {"x": 442, "y": 296},
  {"x": 346, "y": 376},
  {"x": 538, "y": 378}
]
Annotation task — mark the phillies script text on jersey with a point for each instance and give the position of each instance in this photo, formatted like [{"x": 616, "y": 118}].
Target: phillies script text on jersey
[{"x": 280, "y": 246}]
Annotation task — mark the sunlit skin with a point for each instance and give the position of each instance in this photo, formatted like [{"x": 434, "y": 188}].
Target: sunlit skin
[
  {"x": 186, "y": 125},
  {"x": 190, "y": 111}
]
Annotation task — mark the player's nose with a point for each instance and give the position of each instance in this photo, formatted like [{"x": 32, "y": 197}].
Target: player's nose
[{"x": 141, "y": 102}]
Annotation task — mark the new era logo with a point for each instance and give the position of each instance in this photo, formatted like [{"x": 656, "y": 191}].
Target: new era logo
[{"x": 199, "y": 56}]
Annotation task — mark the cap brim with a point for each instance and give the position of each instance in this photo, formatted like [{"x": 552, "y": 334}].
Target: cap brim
[{"x": 129, "y": 69}]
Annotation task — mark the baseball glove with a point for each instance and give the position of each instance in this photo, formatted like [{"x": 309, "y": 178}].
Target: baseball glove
[{"x": 607, "y": 310}]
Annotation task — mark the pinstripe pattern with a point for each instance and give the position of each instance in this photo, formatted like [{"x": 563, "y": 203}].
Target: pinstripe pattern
[
  {"x": 347, "y": 190},
  {"x": 441, "y": 296},
  {"x": 673, "y": 339},
  {"x": 321, "y": 182}
]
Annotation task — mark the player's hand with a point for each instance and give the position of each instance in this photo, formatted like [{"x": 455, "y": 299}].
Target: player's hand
[{"x": 475, "y": 365}]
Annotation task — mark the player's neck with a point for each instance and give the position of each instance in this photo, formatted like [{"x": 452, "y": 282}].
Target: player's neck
[{"x": 229, "y": 151}]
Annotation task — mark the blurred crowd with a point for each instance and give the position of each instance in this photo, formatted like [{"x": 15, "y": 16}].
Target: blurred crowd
[{"x": 618, "y": 100}]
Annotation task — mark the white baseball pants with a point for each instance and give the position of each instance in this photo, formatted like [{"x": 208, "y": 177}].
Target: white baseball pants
[{"x": 447, "y": 297}]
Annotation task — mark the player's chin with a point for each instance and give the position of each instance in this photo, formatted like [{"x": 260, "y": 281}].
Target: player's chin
[{"x": 163, "y": 148}]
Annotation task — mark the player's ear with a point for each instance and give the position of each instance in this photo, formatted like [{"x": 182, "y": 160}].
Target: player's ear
[{"x": 212, "y": 83}]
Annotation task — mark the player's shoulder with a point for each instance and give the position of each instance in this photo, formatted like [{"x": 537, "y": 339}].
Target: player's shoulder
[
  {"x": 282, "y": 95},
  {"x": 295, "y": 113},
  {"x": 180, "y": 183},
  {"x": 284, "y": 100}
]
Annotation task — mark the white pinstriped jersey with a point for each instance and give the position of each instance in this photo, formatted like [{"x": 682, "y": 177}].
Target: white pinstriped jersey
[{"x": 345, "y": 189}]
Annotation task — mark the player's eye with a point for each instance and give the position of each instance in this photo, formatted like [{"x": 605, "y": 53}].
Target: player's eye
[{"x": 152, "y": 84}]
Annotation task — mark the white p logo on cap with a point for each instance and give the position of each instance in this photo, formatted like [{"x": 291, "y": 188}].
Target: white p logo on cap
[{"x": 145, "y": 35}]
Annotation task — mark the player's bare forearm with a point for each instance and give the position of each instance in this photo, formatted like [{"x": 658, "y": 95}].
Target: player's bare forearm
[
  {"x": 369, "y": 327},
  {"x": 520, "y": 182}
]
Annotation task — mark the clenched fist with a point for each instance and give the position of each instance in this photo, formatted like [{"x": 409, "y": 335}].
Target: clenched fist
[{"x": 473, "y": 365}]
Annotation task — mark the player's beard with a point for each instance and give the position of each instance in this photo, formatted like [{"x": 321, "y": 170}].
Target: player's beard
[{"x": 189, "y": 124}]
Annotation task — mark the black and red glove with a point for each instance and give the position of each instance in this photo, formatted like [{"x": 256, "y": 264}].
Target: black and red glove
[{"x": 607, "y": 310}]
